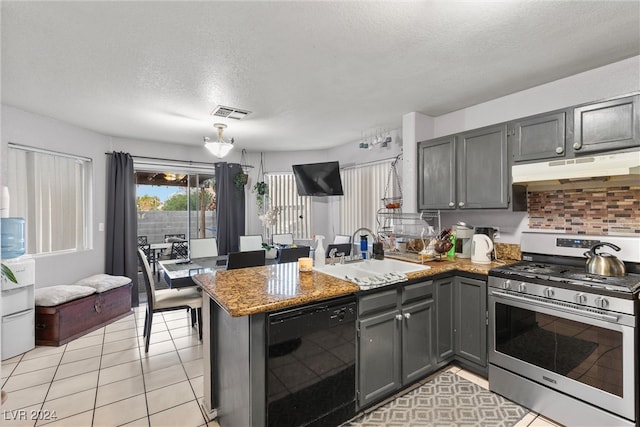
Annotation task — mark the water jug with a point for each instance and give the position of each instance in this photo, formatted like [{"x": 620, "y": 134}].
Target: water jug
[{"x": 12, "y": 237}]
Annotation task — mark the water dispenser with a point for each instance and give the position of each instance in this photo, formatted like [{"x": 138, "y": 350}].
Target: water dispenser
[{"x": 12, "y": 237}]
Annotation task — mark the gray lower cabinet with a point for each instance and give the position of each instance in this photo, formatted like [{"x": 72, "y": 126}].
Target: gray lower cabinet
[
  {"x": 608, "y": 125},
  {"x": 461, "y": 321},
  {"x": 395, "y": 330},
  {"x": 471, "y": 320}
]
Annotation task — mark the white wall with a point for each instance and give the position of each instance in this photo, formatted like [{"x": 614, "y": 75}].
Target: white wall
[{"x": 25, "y": 128}]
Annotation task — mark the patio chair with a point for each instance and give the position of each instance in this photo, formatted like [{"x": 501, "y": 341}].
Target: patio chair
[{"x": 179, "y": 250}]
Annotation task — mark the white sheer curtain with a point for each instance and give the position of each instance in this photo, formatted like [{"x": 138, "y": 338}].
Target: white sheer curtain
[
  {"x": 52, "y": 193},
  {"x": 364, "y": 187}
]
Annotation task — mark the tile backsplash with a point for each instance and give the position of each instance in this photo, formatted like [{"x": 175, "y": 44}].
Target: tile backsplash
[{"x": 599, "y": 211}]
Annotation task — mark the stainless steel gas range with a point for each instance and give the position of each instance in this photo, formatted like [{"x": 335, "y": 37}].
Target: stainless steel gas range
[{"x": 562, "y": 342}]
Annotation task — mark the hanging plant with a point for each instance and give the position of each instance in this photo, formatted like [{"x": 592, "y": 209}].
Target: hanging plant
[
  {"x": 261, "y": 188},
  {"x": 240, "y": 180}
]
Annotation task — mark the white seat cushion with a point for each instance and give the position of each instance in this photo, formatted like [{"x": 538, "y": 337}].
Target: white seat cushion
[
  {"x": 166, "y": 298},
  {"x": 103, "y": 282},
  {"x": 59, "y": 294}
]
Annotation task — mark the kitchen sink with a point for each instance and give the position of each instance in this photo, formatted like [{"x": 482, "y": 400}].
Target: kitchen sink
[{"x": 372, "y": 273}]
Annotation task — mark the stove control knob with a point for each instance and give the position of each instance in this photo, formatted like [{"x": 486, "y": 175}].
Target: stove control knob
[
  {"x": 506, "y": 284},
  {"x": 581, "y": 298},
  {"x": 602, "y": 302},
  {"x": 522, "y": 287},
  {"x": 549, "y": 292}
]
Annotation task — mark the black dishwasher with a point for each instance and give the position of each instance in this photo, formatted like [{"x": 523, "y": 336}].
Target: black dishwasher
[{"x": 311, "y": 364}]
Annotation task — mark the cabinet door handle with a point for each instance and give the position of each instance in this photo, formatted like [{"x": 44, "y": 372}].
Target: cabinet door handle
[
  {"x": 407, "y": 315},
  {"x": 398, "y": 316},
  {"x": 559, "y": 150},
  {"x": 451, "y": 204},
  {"x": 577, "y": 146},
  {"x": 461, "y": 204}
]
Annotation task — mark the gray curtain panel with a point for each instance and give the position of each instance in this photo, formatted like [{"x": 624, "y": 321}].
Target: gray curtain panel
[
  {"x": 122, "y": 221},
  {"x": 230, "y": 207}
]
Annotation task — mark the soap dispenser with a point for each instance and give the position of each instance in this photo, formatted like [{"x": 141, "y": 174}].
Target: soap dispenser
[{"x": 319, "y": 252}]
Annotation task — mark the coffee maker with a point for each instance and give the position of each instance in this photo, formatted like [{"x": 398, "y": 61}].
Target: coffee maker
[{"x": 464, "y": 234}]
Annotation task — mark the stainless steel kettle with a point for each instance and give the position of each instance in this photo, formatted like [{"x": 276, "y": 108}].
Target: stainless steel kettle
[{"x": 604, "y": 264}]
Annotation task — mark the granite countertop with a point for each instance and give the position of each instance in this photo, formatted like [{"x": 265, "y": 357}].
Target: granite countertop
[{"x": 247, "y": 291}]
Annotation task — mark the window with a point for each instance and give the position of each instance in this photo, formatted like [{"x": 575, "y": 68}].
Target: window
[
  {"x": 292, "y": 212},
  {"x": 53, "y": 193},
  {"x": 175, "y": 197},
  {"x": 364, "y": 188}
]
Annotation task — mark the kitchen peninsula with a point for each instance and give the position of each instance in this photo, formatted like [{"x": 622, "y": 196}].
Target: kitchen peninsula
[{"x": 236, "y": 333}]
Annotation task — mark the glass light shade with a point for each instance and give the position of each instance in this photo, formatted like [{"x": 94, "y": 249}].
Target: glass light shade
[{"x": 219, "y": 149}]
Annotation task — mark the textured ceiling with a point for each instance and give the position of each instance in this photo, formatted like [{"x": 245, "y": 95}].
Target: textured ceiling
[{"x": 315, "y": 74}]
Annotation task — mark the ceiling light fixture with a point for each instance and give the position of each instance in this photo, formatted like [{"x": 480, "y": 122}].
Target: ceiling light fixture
[{"x": 219, "y": 148}]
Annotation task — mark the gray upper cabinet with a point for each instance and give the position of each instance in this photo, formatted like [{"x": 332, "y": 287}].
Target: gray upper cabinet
[
  {"x": 465, "y": 171},
  {"x": 608, "y": 125},
  {"x": 483, "y": 168},
  {"x": 436, "y": 174},
  {"x": 539, "y": 137}
]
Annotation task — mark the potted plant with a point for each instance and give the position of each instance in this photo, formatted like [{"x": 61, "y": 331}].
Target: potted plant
[
  {"x": 270, "y": 252},
  {"x": 262, "y": 190},
  {"x": 6, "y": 272},
  {"x": 240, "y": 180}
]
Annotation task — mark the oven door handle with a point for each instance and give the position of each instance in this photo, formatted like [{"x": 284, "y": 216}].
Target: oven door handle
[{"x": 564, "y": 306}]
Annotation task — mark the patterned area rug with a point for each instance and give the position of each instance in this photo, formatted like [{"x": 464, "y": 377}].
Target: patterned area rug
[{"x": 447, "y": 400}]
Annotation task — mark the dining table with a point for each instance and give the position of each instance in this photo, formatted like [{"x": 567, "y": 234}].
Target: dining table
[{"x": 178, "y": 272}]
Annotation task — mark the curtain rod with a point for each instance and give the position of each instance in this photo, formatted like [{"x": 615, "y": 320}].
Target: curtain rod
[
  {"x": 169, "y": 160},
  {"x": 43, "y": 151}
]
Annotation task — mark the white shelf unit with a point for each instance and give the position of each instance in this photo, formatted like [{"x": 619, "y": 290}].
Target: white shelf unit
[{"x": 18, "y": 307}]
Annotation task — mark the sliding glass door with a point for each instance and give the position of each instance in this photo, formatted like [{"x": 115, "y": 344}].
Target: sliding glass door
[{"x": 171, "y": 202}]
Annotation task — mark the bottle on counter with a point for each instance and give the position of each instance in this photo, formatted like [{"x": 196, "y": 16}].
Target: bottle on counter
[
  {"x": 364, "y": 245},
  {"x": 319, "y": 251}
]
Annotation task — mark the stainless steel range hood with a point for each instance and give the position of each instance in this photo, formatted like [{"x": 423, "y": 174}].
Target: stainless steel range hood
[{"x": 582, "y": 168}]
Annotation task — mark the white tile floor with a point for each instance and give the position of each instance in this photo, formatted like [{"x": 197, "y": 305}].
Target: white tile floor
[{"x": 105, "y": 379}]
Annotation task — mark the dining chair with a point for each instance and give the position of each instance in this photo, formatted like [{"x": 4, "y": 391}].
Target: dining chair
[
  {"x": 245, "y": 259},
  {"x": 201, "y": 248},
  {"x": 341, "y": 238},
  {"x": 180, "y": 250},
  {"x": 250, "y": 243},
  {"x": 292, "y": 254},
  {"x": 282, "y": 239},
  {"x": 167, "y": 300}
]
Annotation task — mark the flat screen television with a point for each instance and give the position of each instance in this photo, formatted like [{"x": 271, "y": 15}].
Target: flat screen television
[{"x": 318, "y": 179}]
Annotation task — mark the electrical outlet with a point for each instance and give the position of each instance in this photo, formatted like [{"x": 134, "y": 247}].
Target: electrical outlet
[
  {"x": 497, "y": 233},
  {"x": 101, "y": 226}
]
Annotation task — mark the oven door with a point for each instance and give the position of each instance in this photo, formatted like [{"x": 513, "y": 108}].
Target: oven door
[{"x": 566, "y": 348}]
